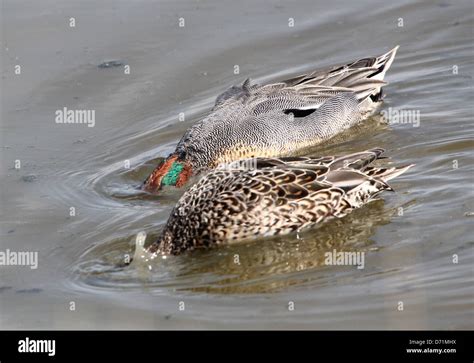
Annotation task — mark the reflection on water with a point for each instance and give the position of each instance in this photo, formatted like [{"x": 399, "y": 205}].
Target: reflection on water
[
  {"x": 279, "y": 263},
  {"x": 259, "y": 266}
]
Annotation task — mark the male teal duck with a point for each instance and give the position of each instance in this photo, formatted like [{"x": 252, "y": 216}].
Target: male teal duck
[
  {"x": 270, "y": 196},
  {"x": 276, "y": 119}
]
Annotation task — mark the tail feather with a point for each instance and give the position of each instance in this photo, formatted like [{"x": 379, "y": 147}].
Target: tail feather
[
  {"x": 365, "y": 77},
  {"x": 392, "y": 174},
  {"x": 358, "y": 160},
  {"x": 387, "y": 174},
  {"x": 383, "y": 63}
]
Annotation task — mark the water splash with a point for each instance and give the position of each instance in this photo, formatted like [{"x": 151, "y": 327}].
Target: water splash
[{"x": 142, "y": 258}]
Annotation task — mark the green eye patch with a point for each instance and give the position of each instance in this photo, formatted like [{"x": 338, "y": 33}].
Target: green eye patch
[{"x": 172, "y": 176}]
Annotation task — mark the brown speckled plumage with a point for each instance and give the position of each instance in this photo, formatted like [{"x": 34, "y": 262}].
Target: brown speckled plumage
[{"x": 263, "y": 197}]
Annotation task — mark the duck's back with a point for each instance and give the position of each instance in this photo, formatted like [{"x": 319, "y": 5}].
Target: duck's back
[{"x": 279, "y": 119}]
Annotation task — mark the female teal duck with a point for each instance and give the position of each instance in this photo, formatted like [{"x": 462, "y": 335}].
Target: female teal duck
[
  {"x": 276, "y": 119},
  {"x": 270, "y": 196}
]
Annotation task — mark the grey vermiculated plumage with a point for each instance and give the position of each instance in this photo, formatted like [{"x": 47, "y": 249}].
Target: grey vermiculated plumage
[
  {"x": 279, "y": 119},
  {"x": 273, "y": 196}
]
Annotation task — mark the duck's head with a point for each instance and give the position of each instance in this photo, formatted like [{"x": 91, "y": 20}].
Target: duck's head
[{"x": 174, "y": 170}]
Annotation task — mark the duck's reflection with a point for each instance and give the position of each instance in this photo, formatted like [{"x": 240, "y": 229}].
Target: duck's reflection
[
  {"x": 259, "y": 266},
  {"x": 272, "y": 264}
]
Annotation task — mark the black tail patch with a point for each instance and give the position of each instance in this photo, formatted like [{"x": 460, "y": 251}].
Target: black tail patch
[{"x": 377, "y": 97}]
